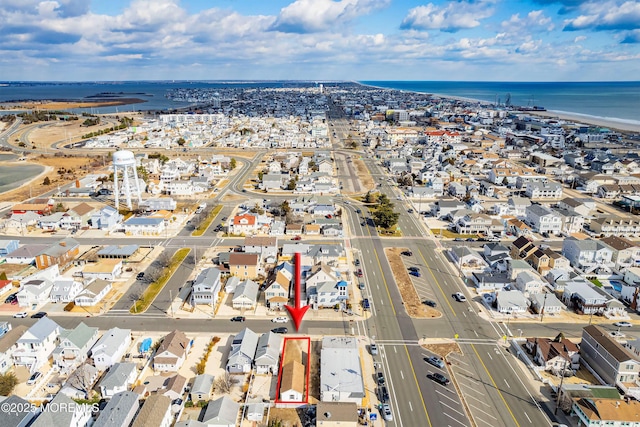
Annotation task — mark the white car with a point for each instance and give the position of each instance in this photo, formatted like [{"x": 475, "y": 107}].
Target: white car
[
  {"x": 623, "y": 324},
  {"x": 20, "y": 315},
  {"x": 280, "y": 320}
]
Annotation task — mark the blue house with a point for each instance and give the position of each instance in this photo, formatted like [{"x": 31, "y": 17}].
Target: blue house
[{"x": 8, "y": 246}]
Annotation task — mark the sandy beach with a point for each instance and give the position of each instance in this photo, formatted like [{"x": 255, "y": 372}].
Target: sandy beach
[
  {"x": 580, "y": 118},
  {"x": 67, "y": 105}
]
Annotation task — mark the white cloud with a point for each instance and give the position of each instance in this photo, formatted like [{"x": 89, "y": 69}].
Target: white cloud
[
  {"x": 608, "y": 15},
  {"x": 453, "y": 17},
  {"x": 532, "y": 20},
  {"x": 304, "y": 16}
]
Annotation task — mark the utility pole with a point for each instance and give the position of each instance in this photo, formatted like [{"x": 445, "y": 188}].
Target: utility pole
[
  {"x": 544, "y": 304},
  {"x": 564, "y": 367}
]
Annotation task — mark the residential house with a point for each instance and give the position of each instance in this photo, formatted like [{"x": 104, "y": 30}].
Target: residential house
[
  {"x": 614, "y": 364},
  {"x": 589, "y": 255},
  {"x": 172, "y": 352},
  {"x": 268, "y": 353},
  {"x": 174, "y": 387},
  {"x": 529, "y": 283},
  {"x": 35, "y": 346},
  {"x": 122, "y": 252},
  {"x": 336, "y": 414},
  {"x": 578, "y": 206},
  {"x": 108, "y": 218},
  {"x": 341, "y": 377},
  {"x": 556, "y": 260},
  {"x": 206, "y": 287},
  {"x": 7, "y": 347},
  {"x": 477, "y": 224},
  {"x": 65, "y": 290},
  {"x": 276, "y": 292},
  {"x": 25, "y": 254},
  {"x": 222, "y": 412},
  {"x": 118, "y": 378},
  {"x": 545, "y": 303},
  {"x": 77, "y": 217},
  {"x": 606, "y": 412},
  {"x": 81, "y": 382},
  {"x": 34, "y": 292},
  {"x": 625, "y": 253},
  {"x": 144, "y": 226},
  {"x": 8, "y": 246},
  {"x": 21, "y": 416},
  {"x": 201, "y": 388},
  {"x": 244, "y": 224},
  {"x": 73, "y": 346},
  {"x": 511, "y": 302},
  {"x": 120, "y": 410},
  {"x": 246, "y": 295},
  {"x": 61, "y": 253},
  {"x": 546, "y": 190},
  {"x": 610, "y": 225},
  {"x": 246, "y": 266},
  {"x": 155, "y": 412},
  {"x": 331, "y": 293},
  {"x": 266, "y": 247},
  {"x": 105, "y": 269},
  {"x": 68, "y": 413},
  {"x": 490, "y": 282},
  {"x": 522, "y": 248},
  {"x": 585, "y": 298},
  {"x": 572, "y": 222},
  {"x": 555, "y": 355},
  {"x": 467, "y": 259},
  {"x": 292, "y": 381},
  {"x": 543, "y": 219},
  {"x": 243, "y": 351},
  {"x": 539, "y": 260},
  {"x": 93, "y": 293},
  {"x": 110, "y": 347}
]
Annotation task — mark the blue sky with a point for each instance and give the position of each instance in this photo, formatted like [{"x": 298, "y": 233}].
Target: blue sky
[{"x": 499, "y": 40}]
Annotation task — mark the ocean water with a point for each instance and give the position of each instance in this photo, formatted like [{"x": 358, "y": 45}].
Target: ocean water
[
  {"x": 14, "y": 175},
  {"x": 617, "y": 101}
]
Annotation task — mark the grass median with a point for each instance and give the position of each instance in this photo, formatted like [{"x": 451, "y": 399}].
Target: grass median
[
  {"x": 202, "y": 227},
  {"x": 154, "y": 288}
]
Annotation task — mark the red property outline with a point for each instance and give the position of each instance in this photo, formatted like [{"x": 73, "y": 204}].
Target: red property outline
[{"x": 307, "y": 368}]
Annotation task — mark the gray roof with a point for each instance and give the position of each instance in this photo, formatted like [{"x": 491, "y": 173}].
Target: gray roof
[
  {"x": 118, "y": 410},
  {"x": 223, "y": 410},
  {"x": 550, "y": 301},
  {"x": 27, "y": 251},
  {"x": 41, "y": 329},
  {"x": 340, "y": 368},
  {"x": 62, "y": 416},
  {"x": 118, "y": 251},
  {"x": 268, "y": 348},
  {"x": 16, "y": 418},
  {"x": 208, "y": 276},
  {"x": 109, "y": 342},
  {"x": 143, "y": 221},
  {"x": 60, "y": 248},
  {"x": 202, "y": 384},
  {"x": 153, "y": 411},
  {"x": 80, "y": 335},
  {"x": 540, "y": 210},
  {"x": 245, "y": 343},
  {"x": 118, "y": 375},
  {"x": 512, "y": 298},
  {"x": 247, "y": 288}
]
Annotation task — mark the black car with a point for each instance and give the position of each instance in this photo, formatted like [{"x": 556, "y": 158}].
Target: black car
[
  {"x": 380, "y": 378},
  {"x": 430, "y": 303},
  {"x": 140, "y": 275},
  {"x": 439, "y": 378},
  {"x": 280, "y": 330},
  {"x": 406, "y": 253},
  {"x": 357, "y": 262},
  {"x": 224, "y": 218},
  {"x": 38, "y": 315},
  {"x": 383, "y": 394},
  {"x": 238, "y": 319},
  {"x": 11, "y": 298},
  {"x": 412, "y": 268},
  {"x": 358, "y": 211}
]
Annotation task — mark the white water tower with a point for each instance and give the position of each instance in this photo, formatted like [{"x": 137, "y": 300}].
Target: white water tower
[{"x": 126, "y": 163}]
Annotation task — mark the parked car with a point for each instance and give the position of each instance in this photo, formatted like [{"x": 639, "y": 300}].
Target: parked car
[
  {"x": 359, "y": 272},
  {"x": 280, "y": 330},
  {"x": 380, "y": 378},
  {"x": 38, "y": 315},
  {"x": 458, "y": 239},
  {"x": 439, "y": 378},
  {"x": 435, "y": 361},
  {"x": 410, "y": 211},
  {"x": 11, "y": 298},
  {"x": 357, "y": 262},
  {"x": 415, "y": 273},
  {"x": 366, "y": 305},
  {"x": 224, "y": 218},
  {"x": 459, "y": 296},
  {"x": 386, "y": 412},
  {"x": 20, "y": 315},
  {"x": 280, "y": 319},
  {"x": 361, "y": 285},
  {"x": 430, "y": 303},
  {"x": 358, "y": 211},
  {"x": 373, "y": 348},
  {"x": 406, "y": 253},
  {"x": 413, "y": 268},
  {"x": 238, "y": 319},
  {"x": 33, "y": 378},
  {"x": 140, "y": 275},
  {"x": 623, "y": 324},
  {"x": 383, "y": 394},
  {"x": 297, "y": 238},
  {"x": 362, "y": 224}
]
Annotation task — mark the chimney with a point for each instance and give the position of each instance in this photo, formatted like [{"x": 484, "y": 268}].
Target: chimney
[
  {"x": 77, "y": 183},
  {"x": 63, "y": 243}
]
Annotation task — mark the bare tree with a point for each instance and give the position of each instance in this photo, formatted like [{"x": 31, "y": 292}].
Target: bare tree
[
  {"x": 82, "y": 379},
  {"x": 224, "y": 383},
  {"x": 164, "y": 259},
  {"x": 153, "y": 273}
]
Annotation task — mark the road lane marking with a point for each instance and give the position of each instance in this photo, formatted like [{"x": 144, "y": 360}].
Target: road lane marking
[
  {"x": 424, "y": 406},
  {"x": 453, "y": 409},
  {"x": 525, "y": 414},
  {"x": 480, "y": 401},
  {"x": 476, "y": 332},
  {"x": 438, "y": 284},
  {"x": 410, "y": 406},
  {"x": 401, "y": 374},
  {"x": 395, "y": 349},
  {"x": 448, "y": 397},
  {"x": 465, "y": 370},
  {"x": 489, "y": 354},
  {"x": 505, "y": 381},
  {"x": 473, "y": 347},
  {"x": 480, "y": 410}
]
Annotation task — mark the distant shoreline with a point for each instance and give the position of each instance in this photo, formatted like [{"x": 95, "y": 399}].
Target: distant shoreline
[{"x": 67, "y": 104}]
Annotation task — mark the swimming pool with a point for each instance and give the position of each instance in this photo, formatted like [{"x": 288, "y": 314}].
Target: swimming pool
[{"x": 616, "y": 285}]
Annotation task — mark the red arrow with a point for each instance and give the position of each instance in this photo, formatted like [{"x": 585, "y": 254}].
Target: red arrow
[{"x": 297, "y": 312}]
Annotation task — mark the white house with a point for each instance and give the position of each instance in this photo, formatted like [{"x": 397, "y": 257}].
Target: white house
[
  {"x": 243, "y": 350},
  {"x": 529, "y": 283},
  {"x": 119, "y": 378},
  {"x": 93, "y": 293},
  {"x": 246, "y": 295},
  {"x": 74, "y": 345},
  {"x": 35, "y": 346},
  {"x": 144, "y": 226},
  {"x": 206, "y": 287},
  {"x": 172, "y": 352},
  {"x": 110, "y": 347},
  {"x": 34, "y": 292},
  {"x": 65, "y": 290},
  {"x": 267, "y": 356},
  {"x": 543, "y": 219},
  {"x": 7, "y": 346},
  {"x": 512, "y": 302},
  {"x": 588, "y": 255},
  {"x": 105, "y": 269},
  {"x": 292, "y": 380}
]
